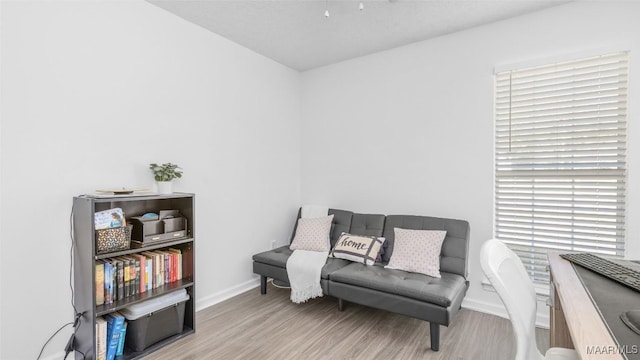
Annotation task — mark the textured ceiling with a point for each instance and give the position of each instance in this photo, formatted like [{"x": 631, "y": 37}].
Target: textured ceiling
[{"x": 297, "y": 34}]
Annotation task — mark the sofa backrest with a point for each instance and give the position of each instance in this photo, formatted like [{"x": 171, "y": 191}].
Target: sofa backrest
[
  {"x": 455, "y": 248},
  {"x": 341, "y": 223},
  {"x": 367, "y": 224}
]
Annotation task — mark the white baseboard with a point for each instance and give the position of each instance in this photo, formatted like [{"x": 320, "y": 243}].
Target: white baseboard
[
  {"x": 226, "y": 294},
  {"x": 542, "y": 319}
]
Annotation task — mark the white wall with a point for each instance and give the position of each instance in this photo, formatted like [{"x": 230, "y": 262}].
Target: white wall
[
  {"x": 1, "y": 103},
  {"x": 92, "y": 92},
  {"x": 410, "y": 130}
]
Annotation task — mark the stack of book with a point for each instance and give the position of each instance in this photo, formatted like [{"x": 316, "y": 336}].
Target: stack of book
[
  {"x": 124, "y": 276},
  {"x": 111, "y": 331}
]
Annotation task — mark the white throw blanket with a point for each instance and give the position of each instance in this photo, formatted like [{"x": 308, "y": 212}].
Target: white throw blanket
[
  {"x": 313, "y": 211},
  {"x": 304, "y": 267}
]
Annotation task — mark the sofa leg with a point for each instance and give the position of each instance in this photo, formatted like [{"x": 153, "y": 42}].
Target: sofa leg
[
  {"x": 263, "y": 284},
  {"x": 340, "y": 305},
  {"x": 435, "y": 336}
]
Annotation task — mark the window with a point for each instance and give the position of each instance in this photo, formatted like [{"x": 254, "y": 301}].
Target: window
[{"x": 560, "y": 167}]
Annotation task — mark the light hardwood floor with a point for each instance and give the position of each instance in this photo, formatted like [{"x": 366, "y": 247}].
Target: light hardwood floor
[{"x": 254, "y": 326}]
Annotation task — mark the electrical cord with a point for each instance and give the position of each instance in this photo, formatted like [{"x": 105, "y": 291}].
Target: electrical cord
[
  {"x": 76, "y": 323},
  {"x": 279, "y": 286},
  {"x": 51, "y": 337},
  {"x": 71, "y": 346}
]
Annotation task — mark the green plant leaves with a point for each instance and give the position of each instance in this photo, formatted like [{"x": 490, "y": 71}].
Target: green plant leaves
[{"x": 166, "y": 171}]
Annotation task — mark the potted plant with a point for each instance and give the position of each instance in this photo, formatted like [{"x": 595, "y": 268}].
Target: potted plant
[{"x": 164, "y": 175}]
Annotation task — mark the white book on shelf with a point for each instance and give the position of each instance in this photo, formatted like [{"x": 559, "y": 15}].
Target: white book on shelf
[{"x": 101, "y": 338}]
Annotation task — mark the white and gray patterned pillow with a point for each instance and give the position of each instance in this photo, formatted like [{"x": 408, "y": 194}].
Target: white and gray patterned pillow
[
  {"x": 358, "y": 248},
  {"x": 312, "y": 234},
  {"x": 417, "y": 251}
]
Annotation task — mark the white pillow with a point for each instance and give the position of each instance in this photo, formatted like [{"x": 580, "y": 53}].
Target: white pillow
[
  {"x": 417, "y": 251},
  {"x": 312, "y": 234},
  {"x": 358, "y": 248}
]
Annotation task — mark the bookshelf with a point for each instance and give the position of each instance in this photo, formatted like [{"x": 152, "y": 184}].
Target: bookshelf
[{"x": 85, "y": 257}]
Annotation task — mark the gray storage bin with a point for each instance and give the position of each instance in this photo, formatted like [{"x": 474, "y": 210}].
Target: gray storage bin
[
  {"x": 168, "y": 225},
  {"x": 144, "y": 228},
  {"x": 174, "y": 224},
  {"x": 155, "y": 319}
]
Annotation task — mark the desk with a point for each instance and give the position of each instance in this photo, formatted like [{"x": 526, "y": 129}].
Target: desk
[{"x": 575, "y": 322}]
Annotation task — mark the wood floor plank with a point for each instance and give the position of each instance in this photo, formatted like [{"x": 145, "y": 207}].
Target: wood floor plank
[{"x": 271, "y": 327}]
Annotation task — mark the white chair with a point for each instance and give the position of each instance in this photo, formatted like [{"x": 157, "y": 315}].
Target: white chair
[{"x": 509, "y": 277}]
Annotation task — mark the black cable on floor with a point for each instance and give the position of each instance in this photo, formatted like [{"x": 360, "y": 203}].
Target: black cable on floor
[{"x": 52, "y": 336}]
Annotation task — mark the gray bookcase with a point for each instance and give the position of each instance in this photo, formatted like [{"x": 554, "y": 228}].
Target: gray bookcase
[{"x": 85, "y": 257}]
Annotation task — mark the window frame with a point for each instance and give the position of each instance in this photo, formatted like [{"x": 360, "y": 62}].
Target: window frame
[{"x": 498, "y": 71}]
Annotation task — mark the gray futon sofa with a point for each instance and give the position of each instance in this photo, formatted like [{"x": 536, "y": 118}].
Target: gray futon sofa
[{"x": 436, "y": 300}]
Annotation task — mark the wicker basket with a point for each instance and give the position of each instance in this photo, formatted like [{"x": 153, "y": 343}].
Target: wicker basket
[{"x": 115, "y": 239}]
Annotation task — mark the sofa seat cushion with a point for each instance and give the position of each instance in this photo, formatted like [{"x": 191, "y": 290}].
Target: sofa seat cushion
[
  {"x": 279, "y": 256},
  {"x": 332, "y": 265},
  {"x": 439, "y": 291},
  {"x": 275, "y": 257}
]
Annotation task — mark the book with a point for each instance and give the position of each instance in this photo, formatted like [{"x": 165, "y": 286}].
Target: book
[
  {"x": 115, "y": 322},
  {"x": 148, "y": 270},
  {"x": 136, "y": 276},
  {"x": 123, "y": 333},
  {"x": 161, "y": 267},
  {"x": 178, "y": 264},
  {"x": 101, "y": 339},
  {"x": 143, "y": 267},
  {"x": 112, "y": 346},
  {"x": 149, "y": 273},
  {"x": 126, "y": 268},
  {"x": 120, "y": 274},
  {"x": 114, "y": 280},
  {"x": 151, "y": 259},
  {"x": 112, "y": 218},
  {"x": 132, "y": 275},
  {"x": 99, "y": 282},
  {"x": 108, "y": 278},
  {"x": 167, "y": 267},
  {"x": 172, "y": 266},
  {"x": 158, "y": 268}
]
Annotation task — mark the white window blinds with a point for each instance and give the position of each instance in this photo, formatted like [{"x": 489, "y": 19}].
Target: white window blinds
[{"x": 560, "y": 154}]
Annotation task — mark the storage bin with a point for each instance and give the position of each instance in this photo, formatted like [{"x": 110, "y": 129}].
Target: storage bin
[
  {"x": 143, "y": 228},
  {"x": 174, "y": 224},
  {"x": 170, "y": 225},
  {"x": 114, "y": 239},
  {"x": 155, "y": 319}
]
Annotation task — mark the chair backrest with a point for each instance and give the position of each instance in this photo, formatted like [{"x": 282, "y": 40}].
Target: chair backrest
[{"x": 510, "y": 279}]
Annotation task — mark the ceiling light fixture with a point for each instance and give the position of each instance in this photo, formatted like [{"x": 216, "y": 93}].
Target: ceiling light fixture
[{"x": 326, "y": 6}]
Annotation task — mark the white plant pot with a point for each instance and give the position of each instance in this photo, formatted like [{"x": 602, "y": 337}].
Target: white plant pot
[{"x": 165, "y": 187}]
